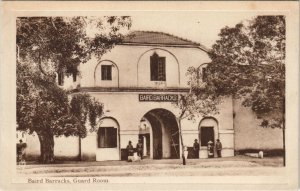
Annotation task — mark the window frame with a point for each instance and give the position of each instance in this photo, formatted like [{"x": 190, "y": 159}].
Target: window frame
[
  {"x": 201, "y": 135},
  {"x": 106, "y": 72},
  {"x": 157, "y": 68},
  {"x": 107, "y": 143}
]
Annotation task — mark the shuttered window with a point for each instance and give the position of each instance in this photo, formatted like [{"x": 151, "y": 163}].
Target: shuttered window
[
  {"x": 107, "y": 137},
  {"x": 157, "y": 68},
  {"x": 106, "y": 72}
]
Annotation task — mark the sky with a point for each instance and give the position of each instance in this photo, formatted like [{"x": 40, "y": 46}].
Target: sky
[{"x": 202, "y": 27}]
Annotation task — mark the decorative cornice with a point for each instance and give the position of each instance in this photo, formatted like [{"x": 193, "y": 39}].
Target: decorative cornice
[{"x": 129, "y": 89}]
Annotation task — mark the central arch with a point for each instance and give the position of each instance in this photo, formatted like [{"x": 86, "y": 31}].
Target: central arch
[{"x": 160, "y": 135}]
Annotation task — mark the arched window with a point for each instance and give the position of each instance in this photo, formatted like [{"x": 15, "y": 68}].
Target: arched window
[
  {"x": 208, "y": 130},
  {"x": 106, "y": 74},
  {"x": 107, "y": 135}
]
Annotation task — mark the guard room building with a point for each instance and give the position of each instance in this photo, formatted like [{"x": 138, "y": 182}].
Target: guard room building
[{"x": 137, "y": 81}]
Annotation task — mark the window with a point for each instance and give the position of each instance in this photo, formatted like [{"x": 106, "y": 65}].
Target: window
[
  {"x": 106, "y": 72},
  {"x": 107, "y": 137},
  {"x": 157, "y": 68},
  {"x": 60, "y": 77},
  {"x": 207, "y": 134},
  {"x": 74, "y": 76}
]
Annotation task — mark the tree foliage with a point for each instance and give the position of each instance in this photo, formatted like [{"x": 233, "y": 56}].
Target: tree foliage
[
  {"x": 248, "y": 62},
  {"x": 61, "y": 43},
  {"x": 50, "y": 45},
  {"x": 44, "y": 108},
  {"x": 198, "y": 102}
]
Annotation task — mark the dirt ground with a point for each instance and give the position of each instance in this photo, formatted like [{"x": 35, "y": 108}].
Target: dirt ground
[{"x": 231, "y": 166}]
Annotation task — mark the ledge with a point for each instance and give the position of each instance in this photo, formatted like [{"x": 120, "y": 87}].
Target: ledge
[{"x": 129, "y": 89}]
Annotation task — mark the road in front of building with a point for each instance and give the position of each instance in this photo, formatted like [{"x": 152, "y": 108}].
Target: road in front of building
[{"x": 232, "y": 166}]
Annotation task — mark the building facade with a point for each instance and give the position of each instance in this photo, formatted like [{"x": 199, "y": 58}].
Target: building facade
[{"x": 138, "y": 81}]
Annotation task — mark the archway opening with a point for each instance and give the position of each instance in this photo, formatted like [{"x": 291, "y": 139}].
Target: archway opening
[
  {"x": 208, "y": 131},
  {"x": 159, "y": 134}
]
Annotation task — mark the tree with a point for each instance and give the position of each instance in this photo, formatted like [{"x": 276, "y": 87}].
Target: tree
[
  {"x": 60, "y": 44},
  {"x": 199, "y": 101},
  {"x": 50, "y": 45},
  {"x": 248, "y": 62},
  {"x": 44, "y": 108}
]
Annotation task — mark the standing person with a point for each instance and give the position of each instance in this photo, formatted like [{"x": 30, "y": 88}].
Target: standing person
[
  {"x": 219, "y": 148},
  {"x": 210, "y": 149},
  {"x": 196, "y": 148},
  {"x": 21, "y": 151},
  {"x": 129, "y": 149},
  {"x": 139, "y": 148}
]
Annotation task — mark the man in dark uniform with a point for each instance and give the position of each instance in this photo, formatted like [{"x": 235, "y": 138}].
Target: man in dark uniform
[
  {"x": 139, "y": 148},
  {"x": 129, "y": 149},
  {"x": 196, "y": 148},
  {"x": 219, "y": 148},
  {"x": 21, "y": 151}
]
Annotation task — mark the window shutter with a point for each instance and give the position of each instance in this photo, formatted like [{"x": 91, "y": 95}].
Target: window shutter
[
  {"x": 153, "y": 67},
  {"x": 157, "y": 68},
  {"x": 106, "y": 72},
  {"x": 107, "y": 137},
  {"x": 162, "y": 69}
]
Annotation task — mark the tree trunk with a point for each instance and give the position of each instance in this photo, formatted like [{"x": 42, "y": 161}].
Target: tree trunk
[
  {"x": 283, "y": 130},
  {"x": 181, "y": 140},
  {"x": 283, "y": 138},
  {"x": 47, "y": 147}
]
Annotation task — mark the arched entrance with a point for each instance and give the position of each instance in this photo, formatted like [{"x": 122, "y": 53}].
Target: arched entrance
[
  {"x": 159, "y": 133},
  {"x": 208, "y": 131}
]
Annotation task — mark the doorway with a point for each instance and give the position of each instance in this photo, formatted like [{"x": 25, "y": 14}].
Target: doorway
[
  {"x": 206, "y": 135},
  {"x": 162, "y": 138}
]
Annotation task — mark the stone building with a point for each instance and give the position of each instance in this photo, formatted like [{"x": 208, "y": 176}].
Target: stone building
[{"x": 137, "y": 81}]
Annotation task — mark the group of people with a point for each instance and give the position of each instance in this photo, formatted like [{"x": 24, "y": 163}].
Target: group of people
[
  {"x": 210, "y": 148},
  {"x": 196, "y": 148},
  {"x": 139, "y": 149}
]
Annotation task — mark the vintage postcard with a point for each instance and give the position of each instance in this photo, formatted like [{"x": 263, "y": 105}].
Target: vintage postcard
[{"x": 149, "y": 95}]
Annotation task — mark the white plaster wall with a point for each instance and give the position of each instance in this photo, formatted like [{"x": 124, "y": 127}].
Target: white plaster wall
[
  {"x": 63, "y": 146},
  {"x": 128, "y": 57},
  {"x": 225, "y": 116},
  {"x": 250, "y": 135},
  {"x": 66, "y": 146},
  {"x": 88, "y": 147},
  {"x": 189, "y": 137},
  {"x": 33, "y": 145}
]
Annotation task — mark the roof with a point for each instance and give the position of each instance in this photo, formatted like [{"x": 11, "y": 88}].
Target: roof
[{"x": 159, "y": 38}]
